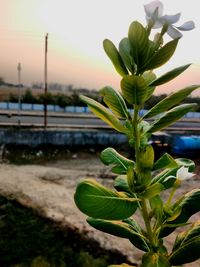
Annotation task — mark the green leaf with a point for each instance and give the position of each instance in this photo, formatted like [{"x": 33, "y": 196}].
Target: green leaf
[
  {"x": 152, "y": 259},
  {"x": 169, "y": 75},
  {"x": 152, "y": 191},
  {"x": 189, "y": 247},
  {"x": 131, "y": 179},
  {"x": 185, "y": 236},
  {"x": 149, "y": 76},
  {"x": 186, "y": 163},
  {"x": 134, "y": 89},
  {"x": 115, "y": 102},
  {"x": 169, "y": 181},
  {"x": 122, "y": 265},
  {"x": 121, "y": 183},
  {"x": 138, "y": 240},
  {"x": 104, "y": 114},
  {"x": 97, "y": 201},
  {"x": 121, "y": 164},
  {"x": 115, "y": 57},
  {"x": 157, "y": 206},
  {"x": 125, "y": 53},
  {"x": 139, "y": 41},
  {"x": 120, "y": 229},
  {"x": 146, "y": 158},
  {"x": 171, "y": 116},
  {"x": 165, "y": 161},
  {"x": 162, "y": 55},
  {"x": 170, "y": 101},
  {"x": 192, "y": 232},
  {"x": 179, "y": 239},
  {"x": 171, "y": 172},
  {"x": 189, "y": 205},
  {"x": 160, "y": 177}
]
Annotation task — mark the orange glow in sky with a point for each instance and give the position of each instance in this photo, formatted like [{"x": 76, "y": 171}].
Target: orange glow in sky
[{"x": 76, "y": 31}]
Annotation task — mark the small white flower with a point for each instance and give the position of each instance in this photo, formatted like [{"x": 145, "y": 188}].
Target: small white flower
[
  {"x": 155, "y": 18},
  {"x": 183, "y": 173}
]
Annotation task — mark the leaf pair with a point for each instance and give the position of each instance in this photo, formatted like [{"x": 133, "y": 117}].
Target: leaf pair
[
  {"x": 104, "y": 114},
  {"x": 110, "y": 156},
  {"x": 165, "y": 161},
  {"x": 125, "y": 229},
  {"x": 134, "y": 89},
  {"x": 137, "y": 53},
  {"x": 170, "y": 166},
  {"x": 170, "y": 101},
  {"x": 187, "y": 206},
  {"x": 144, "y": 52},
  {"x": 167, "y": 177},
  {"x": 97, "y": 201},
  {"x": 115, "y": 102},
  {"x": 169, "y": 116},
  {"x": 187, "y": 246},
  {"x": 153, "y": 259},
  {"x": 122, "y": 184}
]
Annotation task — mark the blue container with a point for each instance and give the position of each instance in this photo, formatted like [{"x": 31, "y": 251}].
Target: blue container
[{"x": 186, "y": 144}]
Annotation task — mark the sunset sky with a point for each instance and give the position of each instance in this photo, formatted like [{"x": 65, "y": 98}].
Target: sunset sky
[{"x": 76, "y": 31}]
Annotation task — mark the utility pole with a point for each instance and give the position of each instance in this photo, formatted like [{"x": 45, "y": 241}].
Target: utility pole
[
  {"x": 45, "y": 81},
  {"x": 19, "y": 68}
]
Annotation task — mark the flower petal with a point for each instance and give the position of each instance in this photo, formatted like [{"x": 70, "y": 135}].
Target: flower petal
[
  {"x": 151, "y": 8},
  {"x": 157, "y": 24},
  {"x": 187, "y": 26},
  {"x": 171, "y": 19},
  {"x": 183, "y": 173},
  {"x": 173, "y": 33}
]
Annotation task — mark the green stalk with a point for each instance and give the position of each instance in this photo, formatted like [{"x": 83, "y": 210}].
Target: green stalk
[
  {"x": 173, "y": 191},
  {"x": 170, "y": 197},
  {"x": 144, "y": 203},
  {"x": 137, "y": 139},
  {"x": 147, "y": 222}
]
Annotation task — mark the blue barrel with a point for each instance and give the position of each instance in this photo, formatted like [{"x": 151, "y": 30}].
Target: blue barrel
[{"x": 183, "y": 144}]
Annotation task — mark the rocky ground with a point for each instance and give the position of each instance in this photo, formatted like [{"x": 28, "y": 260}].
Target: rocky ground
[{"x": 49, "y": 188}]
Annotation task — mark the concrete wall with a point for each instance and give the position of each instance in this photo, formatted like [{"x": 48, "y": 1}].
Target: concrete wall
[{"x": 33, "y": 138}]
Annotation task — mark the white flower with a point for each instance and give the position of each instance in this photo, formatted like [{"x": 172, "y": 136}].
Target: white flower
[
  {"x": 154, "y": 17},
  {"x": 183, "y": 173}
]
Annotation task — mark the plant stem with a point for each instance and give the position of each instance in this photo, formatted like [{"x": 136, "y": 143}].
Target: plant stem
[
  {"x": 170, "y": 197},
  {"x": 144, "y": 204},
  {"x": 137, "y": 139},
  {"x": 147, "y": 221}
]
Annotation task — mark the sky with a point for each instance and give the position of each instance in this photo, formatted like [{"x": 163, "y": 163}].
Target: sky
[{"x": 76, "y": 30}]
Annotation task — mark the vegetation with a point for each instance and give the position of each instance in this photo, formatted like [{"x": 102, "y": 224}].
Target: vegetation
[
  {"x": 28, "y": 240},
  {"x": 72, "y": 98},
  {"x": 52, "y": 98},
  {"x": 1, "y": 81},
  {"x": 140, "y": 180},
  {"x": 67, "y": 95}
]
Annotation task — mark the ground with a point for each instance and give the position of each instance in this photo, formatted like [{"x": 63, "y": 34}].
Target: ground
[{"x": 50, "y": 187}]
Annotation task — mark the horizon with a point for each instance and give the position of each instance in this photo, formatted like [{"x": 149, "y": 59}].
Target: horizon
[{"x": 76, "y": 32}]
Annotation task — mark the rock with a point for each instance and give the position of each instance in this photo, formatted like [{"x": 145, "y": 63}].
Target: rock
[{"x": 53, "y": 175}]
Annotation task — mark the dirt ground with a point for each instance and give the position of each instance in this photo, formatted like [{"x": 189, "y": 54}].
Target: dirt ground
[
  {"x": 94, "y": 168},
  {"x": 50, "y": 187}
]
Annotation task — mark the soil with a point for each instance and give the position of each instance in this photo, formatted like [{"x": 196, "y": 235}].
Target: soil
[{"x": 49, "y": 189}]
